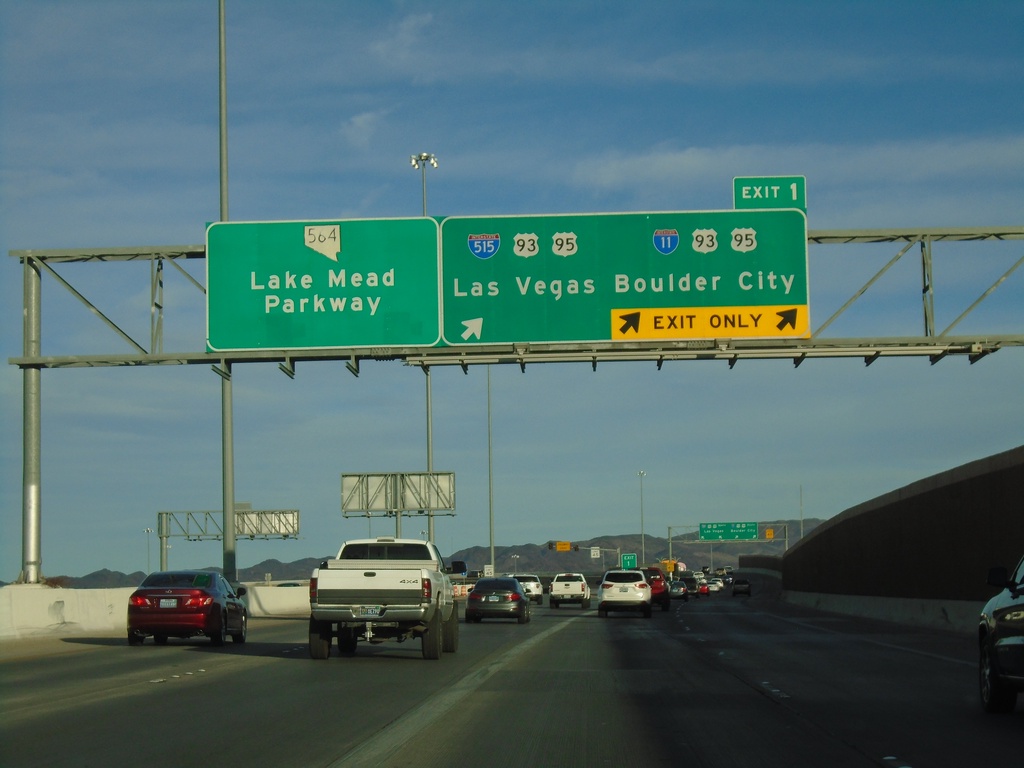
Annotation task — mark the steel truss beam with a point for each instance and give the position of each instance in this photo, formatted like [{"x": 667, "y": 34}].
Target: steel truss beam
[{"x": 935, "y": 346}]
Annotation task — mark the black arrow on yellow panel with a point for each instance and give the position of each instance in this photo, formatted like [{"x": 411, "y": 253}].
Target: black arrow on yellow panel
[
  {"x": 788, "y": 318},
  {"x": 631, "y": 321}
]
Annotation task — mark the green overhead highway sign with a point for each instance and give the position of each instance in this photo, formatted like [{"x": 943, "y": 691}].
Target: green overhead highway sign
[
  {"x": 769, "y": 192},
  {"x": 322, "y": 284},
  {"x": 728, "y": 531},
  {"x": 624, "y": 277}
]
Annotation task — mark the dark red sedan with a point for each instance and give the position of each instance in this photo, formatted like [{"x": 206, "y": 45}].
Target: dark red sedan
[{"x": 187, "y": 604}]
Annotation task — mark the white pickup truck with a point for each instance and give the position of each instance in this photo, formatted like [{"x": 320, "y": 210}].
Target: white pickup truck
[
  {"x": 570, "y": 588},
  {"x": 381, "y": 589}
]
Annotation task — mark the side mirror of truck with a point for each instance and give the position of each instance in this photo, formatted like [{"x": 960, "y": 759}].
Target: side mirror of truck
[{"x": 458, "y": 566}]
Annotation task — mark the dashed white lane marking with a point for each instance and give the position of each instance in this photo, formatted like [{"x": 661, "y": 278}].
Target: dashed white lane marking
[{"x": 779, "y": 694}]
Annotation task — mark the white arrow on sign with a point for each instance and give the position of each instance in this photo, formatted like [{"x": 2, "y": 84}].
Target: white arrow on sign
[{"x": 473, "y": 328}]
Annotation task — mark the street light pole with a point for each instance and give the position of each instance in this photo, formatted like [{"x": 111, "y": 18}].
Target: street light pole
[
  {"x": 643, "y": 549},
  {"x": 147, "y": 532},
  {"x": 420, "y": 162}
]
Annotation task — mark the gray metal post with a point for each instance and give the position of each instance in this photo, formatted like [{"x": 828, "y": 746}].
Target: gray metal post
[
  {"x": 398, "y": 507},
  {"x": 430, "y": 448},
  {"x": 927, "y": 287},
  {"x": 228, "y": 470},
  {"x": 223, "y": 115},
  {"x": 163, "y": 528},
  {"x": 230, "y": 565},
  {"x": 490, "y": 472},
  {"x": 31, "y": 548}
]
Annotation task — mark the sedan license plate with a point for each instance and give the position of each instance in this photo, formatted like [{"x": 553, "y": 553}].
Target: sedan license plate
[
  {"x": 368, "y": 610},
  {"x": 623, "y": 589},
  {"x": 168, "y": 602},
  {"x": 493, "y": 598}
]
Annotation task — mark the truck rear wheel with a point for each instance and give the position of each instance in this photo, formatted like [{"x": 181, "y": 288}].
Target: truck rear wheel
[
  {"x": 347, "y": 642},
  {"x": 319, "y": 639},
  {"x": 432, "y": 640}
]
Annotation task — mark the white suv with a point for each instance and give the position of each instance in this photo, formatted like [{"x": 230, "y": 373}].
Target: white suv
[
  {"x": 624, "y": 590},
  {"x": 531, "y": 585}
]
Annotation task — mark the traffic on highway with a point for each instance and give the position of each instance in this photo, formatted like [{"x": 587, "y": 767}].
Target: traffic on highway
[{"x": 748, "y": 680}]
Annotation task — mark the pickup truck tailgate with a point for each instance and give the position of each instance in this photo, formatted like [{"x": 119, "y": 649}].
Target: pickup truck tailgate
[{"x": 349, "y": 582}]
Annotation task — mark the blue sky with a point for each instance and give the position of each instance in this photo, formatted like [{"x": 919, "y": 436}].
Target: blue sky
[{"x": 898, "y": 116}]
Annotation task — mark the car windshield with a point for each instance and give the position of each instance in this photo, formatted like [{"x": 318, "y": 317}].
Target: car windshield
[
  {"x": 197, "y": 580},
  {"x": 495, "y": 585},
  {"x": 623, "y": 577},
  {"x": 385, "y": 551}
]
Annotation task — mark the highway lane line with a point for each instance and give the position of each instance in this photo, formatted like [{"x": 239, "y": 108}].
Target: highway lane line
[{"x": 393, "y": 738}]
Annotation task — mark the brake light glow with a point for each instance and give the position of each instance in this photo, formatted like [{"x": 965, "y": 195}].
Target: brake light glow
[
  {"x": 515, "y": 596},
  {"x": 139, "y": 601},
  {"x": 197, "y": 598}
]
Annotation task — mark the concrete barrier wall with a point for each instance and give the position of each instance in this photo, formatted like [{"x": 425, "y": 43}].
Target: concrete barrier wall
[
  {"x": 932, "y": 540},
  {"x": 28, "y": 610}
]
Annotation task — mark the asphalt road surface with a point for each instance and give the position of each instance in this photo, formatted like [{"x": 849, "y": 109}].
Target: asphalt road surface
[{"x": 720, "y": 681}]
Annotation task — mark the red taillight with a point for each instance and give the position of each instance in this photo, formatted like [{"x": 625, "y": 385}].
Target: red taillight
[
  {"x": 474, "y": 597},
  {"x": 515, "y": 596},
  {"x": 643, "y": 585},
  {"x": 428, "y": 589},
  {"x": 606, "y": 585},
  {"x": 197, "y": 598},
  {"x": 139, "y": 601},
  {"x": 312, "y": 589}
]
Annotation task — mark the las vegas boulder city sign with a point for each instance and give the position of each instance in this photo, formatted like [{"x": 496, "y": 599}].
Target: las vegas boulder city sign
[{"x": 624, "y": 277}]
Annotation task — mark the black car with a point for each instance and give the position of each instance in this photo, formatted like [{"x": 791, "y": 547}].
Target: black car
[
  {"x": 498, "y": 598},
  {"x": 740, "y": 587},
  {"x": 691, "y": 586},
  {"x": 1001, "y": 642}
]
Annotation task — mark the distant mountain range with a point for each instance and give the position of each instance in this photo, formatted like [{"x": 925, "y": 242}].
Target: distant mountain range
[{"x": 523, "y": 558}]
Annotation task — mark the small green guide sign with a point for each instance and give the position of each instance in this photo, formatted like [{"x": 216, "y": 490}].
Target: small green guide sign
[
  {"x": 322, "y": 284},
  {"x": 769, "y": 192},
  {"x": 629, "y": 560},
  {"x": 728, "y": 531}
]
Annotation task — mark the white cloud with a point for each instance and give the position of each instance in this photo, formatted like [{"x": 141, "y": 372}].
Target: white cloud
[{"x": 360, "y": 130}]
